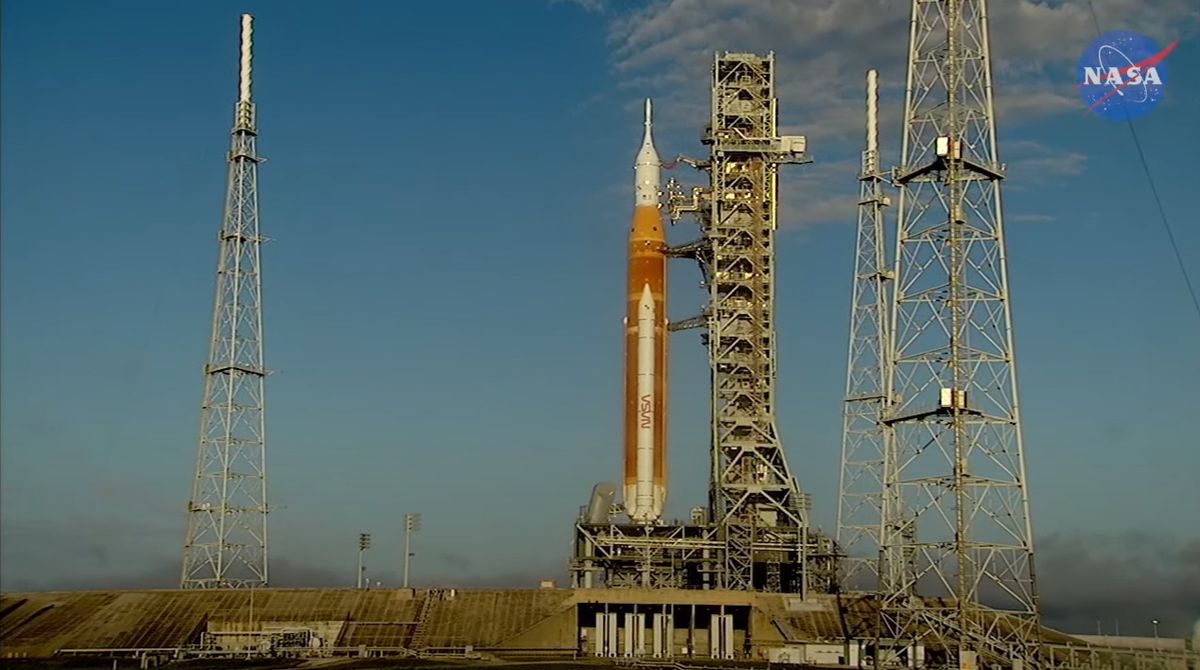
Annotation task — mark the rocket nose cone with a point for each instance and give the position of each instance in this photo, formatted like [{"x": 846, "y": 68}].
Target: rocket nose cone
[{"x": 646, "y": 300}]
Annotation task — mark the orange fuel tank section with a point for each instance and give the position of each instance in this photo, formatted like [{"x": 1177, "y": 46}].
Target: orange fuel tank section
[
  {"x": 647, "y": 268},
  {"x": 645, "y": 453}
]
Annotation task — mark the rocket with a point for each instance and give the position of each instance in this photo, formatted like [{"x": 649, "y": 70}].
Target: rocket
[{"x": 645, "y": 482}]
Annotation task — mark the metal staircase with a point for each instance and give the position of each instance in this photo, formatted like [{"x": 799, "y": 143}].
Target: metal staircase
[{"x": 416, "y": 640}]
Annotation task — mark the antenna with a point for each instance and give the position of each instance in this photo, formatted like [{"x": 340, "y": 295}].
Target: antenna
[
  {"x": 872, "y": 120},
  {"x": 244, "y": 73},
  {"x": 226, "y": 542}
]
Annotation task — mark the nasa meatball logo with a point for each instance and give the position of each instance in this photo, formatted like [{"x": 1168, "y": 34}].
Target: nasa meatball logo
[{"x": 1122, "y": 75}]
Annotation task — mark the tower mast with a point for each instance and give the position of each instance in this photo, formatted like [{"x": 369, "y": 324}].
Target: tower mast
[
  {"x": 754, "y": 496},
  {"x": 226, "y": 543},
  {"x": 863, "y": 435},
  {"x": 954, "y": 484},
  {"x": 754, "y": 500}
]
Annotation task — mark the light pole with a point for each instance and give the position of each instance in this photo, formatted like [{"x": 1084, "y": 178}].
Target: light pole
[
  {"x": 364, "y": 543},
  {"x": 412, "y": 523},
  {"x": 1155, "y": 622}
]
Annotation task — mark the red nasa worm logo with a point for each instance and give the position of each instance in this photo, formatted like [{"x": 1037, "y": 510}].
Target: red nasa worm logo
[{"x": 646, "y": 412}]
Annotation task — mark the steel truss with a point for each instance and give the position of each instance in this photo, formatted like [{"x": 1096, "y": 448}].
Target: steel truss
[
  {"x": 226, "y": 543},
  {"x": 864, "y": 439},
  {"x": 671, "y": 556},
  {"x": 647, "y": 556},
  {"x": 755, "y": 534},
  {"x": 754, "y": 499},
  {"x": 955, "y": 510}
]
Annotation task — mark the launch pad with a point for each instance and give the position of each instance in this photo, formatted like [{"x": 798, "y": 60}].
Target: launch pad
[
  {"x": 755, "y": 533},
  {"x": 668, "y": 625},
  {"x": 690, "y": 557},
  {"x": 745, "y": 577}
]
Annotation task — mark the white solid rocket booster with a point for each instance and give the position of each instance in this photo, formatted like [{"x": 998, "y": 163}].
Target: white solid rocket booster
[{"x": 644, "y": 505}]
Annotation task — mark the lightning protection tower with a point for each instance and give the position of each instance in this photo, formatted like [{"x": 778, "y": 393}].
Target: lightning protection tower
[
  {"x": 955, "y": 509},
  {"x": 226, "y": 544},
  {"x": 863, "y": 436}
]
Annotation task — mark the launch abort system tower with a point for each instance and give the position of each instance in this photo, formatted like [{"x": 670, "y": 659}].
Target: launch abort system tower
[
  {"x": 754, "y": 533},
  {"x": 226, "y": 543}
]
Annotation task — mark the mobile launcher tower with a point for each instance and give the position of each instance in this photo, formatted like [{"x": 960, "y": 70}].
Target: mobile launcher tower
[{"x": 754, "y": 533}]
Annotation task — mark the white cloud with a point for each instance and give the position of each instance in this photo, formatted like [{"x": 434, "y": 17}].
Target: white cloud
[
  {"x": 1030, "y": 218},
  {"x": 1030, "y": 160},
  {"x": 593, "y": 6},
  {"x": 823, "y": 47},
  {"x": 819, "y": 193}
]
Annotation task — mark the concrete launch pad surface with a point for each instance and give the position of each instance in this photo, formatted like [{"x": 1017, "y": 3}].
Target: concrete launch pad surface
[{"x": 563, "y": 623}]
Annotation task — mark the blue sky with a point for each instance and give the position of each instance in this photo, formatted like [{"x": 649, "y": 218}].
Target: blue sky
[{"x": 447, "y": 190}]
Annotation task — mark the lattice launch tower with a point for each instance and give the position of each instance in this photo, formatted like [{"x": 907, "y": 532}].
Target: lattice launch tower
[{"x": 753, "y": 497}]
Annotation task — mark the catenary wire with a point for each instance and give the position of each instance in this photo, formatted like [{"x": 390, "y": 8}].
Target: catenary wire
[{"x": 1162, "y": 212}]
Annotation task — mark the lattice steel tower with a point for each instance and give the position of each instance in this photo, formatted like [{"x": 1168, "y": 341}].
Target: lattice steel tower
[
  {"x": 752, "y": 495},
  {"x": 958, "y": 470},
  {"x": 863, "y": 436},
  {"x": 226, "y": 544}
]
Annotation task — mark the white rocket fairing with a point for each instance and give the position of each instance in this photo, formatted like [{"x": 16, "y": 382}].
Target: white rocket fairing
[{"x": 647, "y": 168}]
